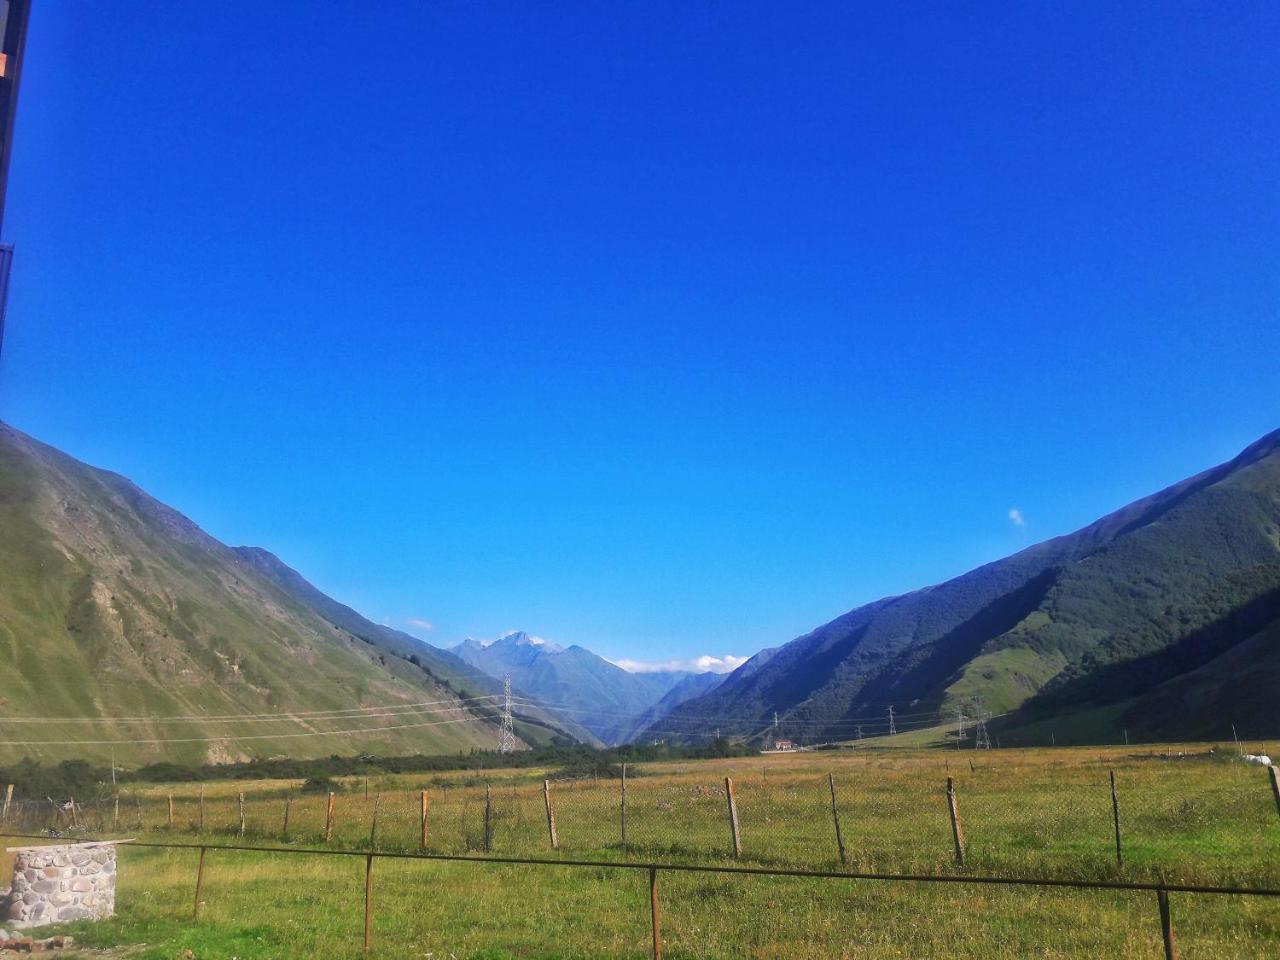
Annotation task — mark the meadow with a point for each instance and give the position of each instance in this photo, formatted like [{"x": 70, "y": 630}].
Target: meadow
[{"x": 1187, "y": 815}]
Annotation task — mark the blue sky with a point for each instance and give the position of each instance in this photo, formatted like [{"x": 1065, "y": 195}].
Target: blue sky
[{"x": 667, "y": 329}]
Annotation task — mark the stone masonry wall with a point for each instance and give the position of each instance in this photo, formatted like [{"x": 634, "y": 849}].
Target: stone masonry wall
[{"x": 64, "y": 882}]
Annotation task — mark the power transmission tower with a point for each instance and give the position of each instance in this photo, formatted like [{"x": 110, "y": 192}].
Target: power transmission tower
[
  {"x": 507, "y": 739},
  {"x": 893, "y": 728},
  {"x": 981, "y": 738}
]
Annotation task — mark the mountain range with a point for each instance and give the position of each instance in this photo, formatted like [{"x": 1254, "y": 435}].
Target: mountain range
[
  {"x": 126, "y": 630},
  {"x": 1159, "y": 621},
  {"x": 613, "y": 704}
]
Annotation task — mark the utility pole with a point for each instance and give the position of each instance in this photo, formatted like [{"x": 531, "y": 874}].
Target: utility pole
[
  {"x": 981, "y": 737},
  {"x": 13, "y": 41},
  {"x": 507, "y": 739}
]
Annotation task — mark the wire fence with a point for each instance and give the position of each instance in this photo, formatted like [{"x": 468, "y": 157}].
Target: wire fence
[
  {"x": 1218, "y": 824},
  {"x": 1161, "y": 891}
]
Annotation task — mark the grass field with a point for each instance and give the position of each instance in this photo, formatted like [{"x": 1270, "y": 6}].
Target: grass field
[{"x": 1186, "y": 816}]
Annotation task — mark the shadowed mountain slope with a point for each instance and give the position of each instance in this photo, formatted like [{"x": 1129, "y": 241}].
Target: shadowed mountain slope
[{"x": 1173, "y": 581}]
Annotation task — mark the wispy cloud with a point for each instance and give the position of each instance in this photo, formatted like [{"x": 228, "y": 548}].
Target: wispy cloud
[
  {"x": 1015, "y": 515},
  {"x": 419, "y": 624},
  {"x": 703, "y": 664}
]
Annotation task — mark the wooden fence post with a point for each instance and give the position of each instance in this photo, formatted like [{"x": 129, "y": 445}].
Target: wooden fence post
[
  {"x": 488, "y": 818},
  {"x": 426, "y": 807},
  {"x": 368, "y": 902},
  {"x": 653, "y": 913},
  {"x": 624, "y": 806},
  {"x": 328, "y": 817},
  {"x": 373, "y": 824},
  {"x": 171, "y": 811},
  {"x": 957, "y": 834},
  {"x": 284, "y": 827},
  {"x": 551, "y": 814},
  {"x": 733, "y": 817},
  {"x": 240, "y": 801},
  {"x": 201, "y": 827},
  {"x": 195, "y": 910},
  {"x": 1115, "y": 819},
  {"x": 75, "y": 822},
  {"x": 1166, "y": 924},
  {"x": 835, "y": 815},
  {"x": 8, "y": 799},
  {"x": 115, "y": 811},
  {"x": 1271, "y": 771}
]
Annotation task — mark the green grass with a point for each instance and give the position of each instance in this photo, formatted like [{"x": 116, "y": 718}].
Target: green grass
[{"x": 1043, "y": 813}]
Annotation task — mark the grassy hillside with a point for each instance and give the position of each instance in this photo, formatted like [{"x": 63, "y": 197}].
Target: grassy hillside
[
  {"x": 1162, "y": 589},
  {"x": 113, "y": 606}
]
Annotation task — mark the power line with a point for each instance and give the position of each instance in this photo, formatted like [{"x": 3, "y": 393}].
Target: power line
[
  {"x": 263, "y": 736},
  {"x": 351, "y": 713}
]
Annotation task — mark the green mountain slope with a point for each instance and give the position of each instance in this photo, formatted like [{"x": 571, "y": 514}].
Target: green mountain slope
[
  {"x": 1157, "y": 590},
  {"x": 533, "y": 725},
  {"x": 114, "y": 606}
]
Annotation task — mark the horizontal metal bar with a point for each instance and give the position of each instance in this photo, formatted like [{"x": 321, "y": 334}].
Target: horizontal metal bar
[{"x": 700, "y": 868}]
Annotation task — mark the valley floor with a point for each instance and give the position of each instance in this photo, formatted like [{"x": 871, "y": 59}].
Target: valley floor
[{"x": 1188, "y": 815}]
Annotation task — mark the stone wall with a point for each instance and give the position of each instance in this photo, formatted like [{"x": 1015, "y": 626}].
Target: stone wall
[{"x": 51, "y": 884}]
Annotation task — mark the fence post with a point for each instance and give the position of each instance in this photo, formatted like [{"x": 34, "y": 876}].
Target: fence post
[
  {"x": 75, "y": 822},
  {"x": 368, "y": 902},
  {"x": 624, "y": 805},
  {"x": 426, "y": 806},
  {"x": 373, "y": 824},
  {"x": 1115, "y": 818},
  {"x": 653, "y": 913},
  {"x": 1271, "y": 771},
  {"x": 195, "y": 909},
  {"x": 733, "y": 817},
  {"x": 551, "y": 814},
  {"x": 284, "y": 828},
  {"x": 8, "y": 799},
  {"x": 957, "y": 834},
  {"x": 835, "y": 815},
  {"x": 1166, "y": 924},
  {"x": 115, "y": 812},
  {"x": 240, "y": 801},
  {"x": 328, "y": 817},
  {"x": 171, "y": 811},
  {"x": 488, "y": 818},
  {"x": 201, "y": 828}
]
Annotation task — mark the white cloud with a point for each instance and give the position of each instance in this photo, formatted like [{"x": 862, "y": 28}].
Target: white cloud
[
  {"x": 1016, "y": 516},
  {"x": 702, "y": 664},
  {"x": 419, "y": 624}
]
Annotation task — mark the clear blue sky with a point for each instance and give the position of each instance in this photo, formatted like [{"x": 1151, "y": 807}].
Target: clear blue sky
[{"x": 668, "y": 329}]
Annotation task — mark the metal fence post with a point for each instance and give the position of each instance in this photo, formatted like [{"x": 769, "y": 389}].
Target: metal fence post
[
  {"x": 195, "y": 910},
  {"x": 957, "y": 833},
  {"x": 551, "y": 814},
  {"x": 733, "y": 817},
  {"x": 653, "y": 913},
  {"x": 835, "y": 815},
  {"x": 1115, "y": 817},
  {"x": 368, "y": 902},
  {"x": 1166, "y": 924},
  {"x": 488, "y": 819},
  {"x": 624, "y": 819},
  {"x": 426, "y": 807}
]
